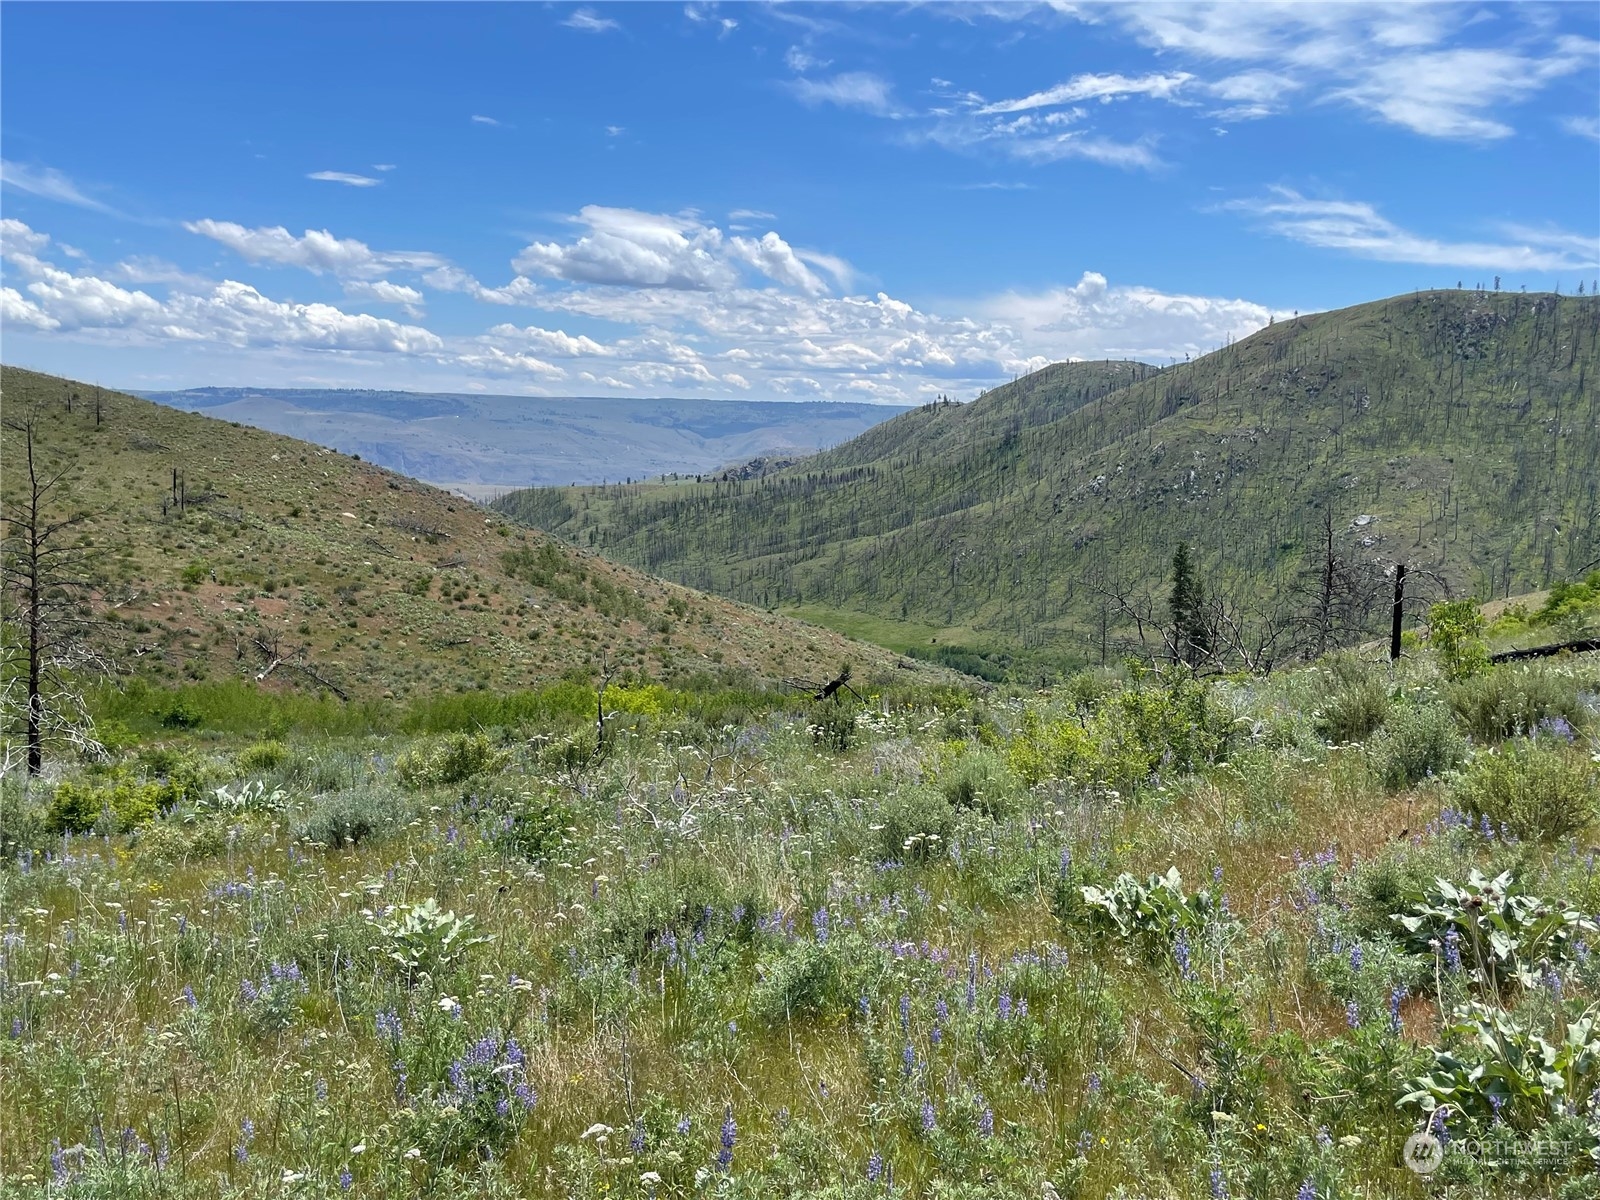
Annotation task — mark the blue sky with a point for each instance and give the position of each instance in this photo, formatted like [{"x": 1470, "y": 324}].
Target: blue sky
[{"x": 876, "y": 202}]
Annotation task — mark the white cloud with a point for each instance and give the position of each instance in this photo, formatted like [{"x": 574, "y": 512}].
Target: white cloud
[
  {"x": 1451, "y": 93},
  {"x": 587, "y": 20},
  {"x": 17, "y": 239},
  {"x": 777, "y": 260},
  {"x": 1093, "y": 319},
  {"x": 800, "y": 61},
  {"x": 1095, "y": 87},
  {"x": 1358, "y": 228},
  {"x": 852, "y": 89},
  {"x": 555, "y": 342},
  {"x": 699, "y": 313},
  {"x": 634, "y": 249},
  {"x": 615, "y": 130},
  {"x": 1396, "y": 63},
  {"x": 1586, "y": 127},
  {"x": 14, "y": 311},
  {"x": 480, "y": 119},
  {"x": 346, "y": 178},
  {"x": 48, "y": 184},
  {"x": 316, "y": 250},
  {"x": 383, "y": 166},
  {"x": 383, "y": 291}
]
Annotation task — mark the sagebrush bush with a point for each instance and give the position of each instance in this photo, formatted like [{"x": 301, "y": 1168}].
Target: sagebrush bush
[
  {"x": 801, "y": 980},
  {"x": 458, "y": 757},
  {"x": 1354, "y": 701},
  {"x": 1539, "y": 791},
  {"x": 1510, "y": 701},
  {"x": 351, "y": 816},
  {"x": 682, "y": 899},
  {"x": 915, "y": 825},
  {"x": 978, "y": 779},
  {"x": 1416, "y": 742}
]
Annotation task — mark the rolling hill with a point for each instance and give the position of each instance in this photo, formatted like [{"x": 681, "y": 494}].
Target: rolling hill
[
  {"x": 481, "y": 445},
  {"x": 223, "y": 550},
  {"x": 1458, "y": 432}
]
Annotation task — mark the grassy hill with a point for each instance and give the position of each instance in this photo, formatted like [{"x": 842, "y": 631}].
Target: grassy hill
[
  {"x": 376, "y": 584},
  {"x": 1458, "y": 432}
]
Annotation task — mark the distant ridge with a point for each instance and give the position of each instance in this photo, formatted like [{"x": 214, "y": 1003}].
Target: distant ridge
[{"x": 483, "y": 444}]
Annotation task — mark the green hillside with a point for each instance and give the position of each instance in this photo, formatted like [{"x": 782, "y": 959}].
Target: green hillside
[
  {"x": 350, "y": 577},
  {"x": 1457, "y": 432}
]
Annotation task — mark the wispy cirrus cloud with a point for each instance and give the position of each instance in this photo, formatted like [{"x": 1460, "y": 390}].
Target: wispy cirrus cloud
[
  {"x": 1357, "y": 227},
  {"x": 588, "y": 21},
  {"x": 852, "y": 89},
  {"x": 346, "y": 178},
  {"x": 48, "y": 184}
]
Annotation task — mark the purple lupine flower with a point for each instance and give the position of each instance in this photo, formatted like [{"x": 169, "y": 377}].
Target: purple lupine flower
[
  {"x": 525, "y": 1096},
  {"x": 1324, "y": 1138},
  {"x": 1356, "y": 957},
  {"x": 1308, "y": 1190},
  {"x": 636, "y": 1139},
  {"x": 908, "y": 1061},
  {"x": 905, "y": 1011},
  {"x": 1452, "y": 950},
  {"x": 1066, "y": 861},
  {"x": 1219, "y": 1186},
  {"x": 874, "y": 1167},
  {"x": 1180, "y": 952},
  {"x": 941, "y": 1010},
  {"x": 1093, "y": 1086},
  {"x": 189, "y": 998},
  {"x": 935, "y": 1036},
  {"x": 819, "y": 923},
  {"x": 346, "y": 1180},
  {"x": 730, "y": 1131},
  {"x": 929, "y": 1120},
  {"x": 1395, "y": 999},
  {"x": 58, "y": 1162},
  {"x": 1005, "y": 1006},
  {"x": 986, "y": 1123},
  {"x": 683, "y": 1126},
  {"x": 1022, "y": 1007},
  {"x": 1352, "y": 1015}
]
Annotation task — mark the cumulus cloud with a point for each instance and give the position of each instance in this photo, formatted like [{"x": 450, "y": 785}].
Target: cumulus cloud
[
  {"x": 1585, "y": 127},
  {"x": 346, "y": 178},
  {"x": 385, "y": 292},
  {"x": 1358, "y": 228},
  {"x": 227, "y": 313},
  {"x": 776, "y": 259},
  {"x": 15, "y": 311},
  {"x": 635, "y": 249}
]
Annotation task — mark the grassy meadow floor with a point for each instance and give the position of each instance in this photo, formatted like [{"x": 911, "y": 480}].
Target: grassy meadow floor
[{"x": 905, "y": 947}]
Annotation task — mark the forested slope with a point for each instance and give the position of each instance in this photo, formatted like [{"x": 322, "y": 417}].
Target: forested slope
[{"x": 1453, "y": 431}]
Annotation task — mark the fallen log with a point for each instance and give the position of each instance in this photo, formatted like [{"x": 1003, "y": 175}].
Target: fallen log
[{"x": 1579, "y": 646}]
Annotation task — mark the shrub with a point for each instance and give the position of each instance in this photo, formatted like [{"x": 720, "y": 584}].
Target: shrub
[
  {"x": 681, "y": 899},
  {"x": 1354, "y": 702},
  {"x": 180, "y": 714},
  {"x": 351, "y": 816},
  {"x": 122, "y": 805},
  {"x": 978, "y": 779},
  {"x": 801, "y": 980},
  {"x": 1539, "y": 790},
  {"x": 456, "y": 758},
  {"x": 1455, "y": 630},
  {"x": 1416, "y": 742},
  {"x": 1512, "y": 700},
  {"x": 530, "y": 826},
  {"x": 1152, "y": 912},
  {"x": 914, "y": 826},
  {"x": 263, "y": 756}
]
